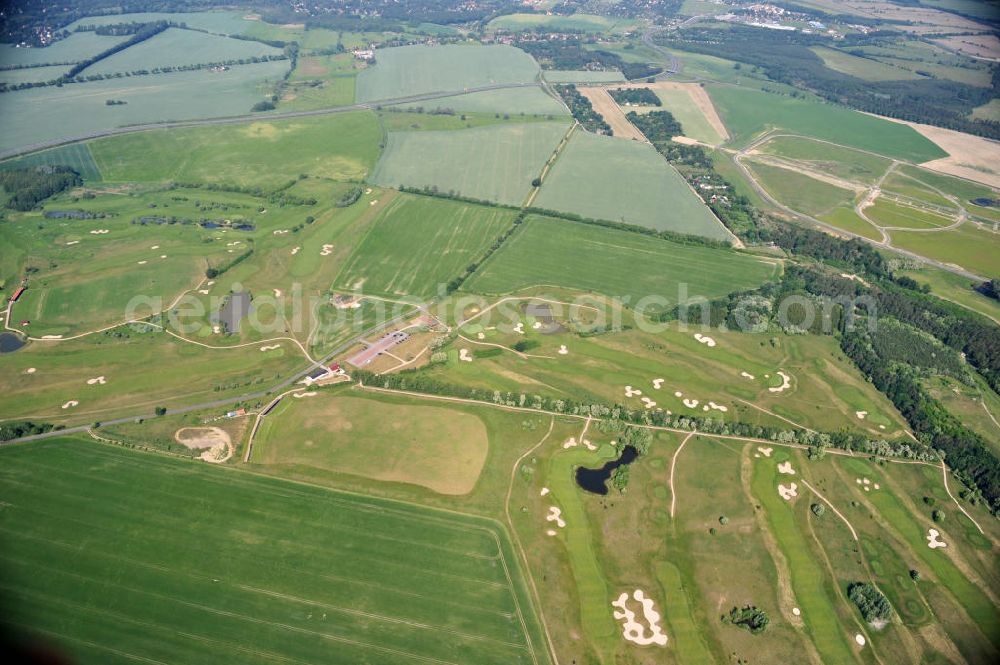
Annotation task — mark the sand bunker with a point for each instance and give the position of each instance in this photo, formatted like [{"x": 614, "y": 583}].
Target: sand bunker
[
  {"x": 519, "y": 328},
  {"x": 786, "y": 468},
  {"x": 155, "y": 247},
  {"x": 270, "y": 347},
  {"x": 718, "y": 407},
  {"x": 99, "y": 380},
  {"x": 463, "y": 355},
  {"x": 796, "y": 611},
  {"x": 588, "y": 445},
  {"x": 280, "y": 232},
  {"x": 326, "y": 251},
  {"x": 648, "y": 402},
  {"x": 142, "y": 263},
  {"x": 786, "y": 383},
  {"x": 70, "y": 404},
  {"x": 163, "y": 256},
  {"x": 550, "y": 532},
  {"x": 545, "y": 490},
  {"x": 311, "y": 393},
  {"x": 933, "y": 541},
  {"x": 657, "y": 384},
  {"x": 860, "y": 639},
  {"x": 861, "y": 414},
  {"x": 536, "y": 325},
  {"x": 704, "y": 339},
  {"x": 632, "y": 392},
  {"x": 480, "y": 335},
  {"x": 690, "y": 403},
  {"x": 563, "y": 350},
  {"x": 555, "y": 515},
  {"x": 295, "y": 250},
  {"x": 203, "y": 292},
  {"x": 766, "y": 452},
  {"x": 100, "y": 232},
  {"x": 277, "y": 293},
  {"x": 634, "y": 631},
  {"x": 747, "y": 375},
  {"x": 788, "y": 492},
  {"x": 51, "y": 336},
  {"x": 30, "y": 370},
  {"x": 73, "y": 242},
  {"x": 570, "y": 443},
  {"x": 678, "y": 393}
]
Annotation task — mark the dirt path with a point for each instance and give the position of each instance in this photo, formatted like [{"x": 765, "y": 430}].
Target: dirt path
[
  {"x": 832, "y": 507},
  {"x": 673, "y": 464},
  {"x": 944, "y": 476},
  {"x": 772, "y": 413},
  {"x": 614, "y": 115}
]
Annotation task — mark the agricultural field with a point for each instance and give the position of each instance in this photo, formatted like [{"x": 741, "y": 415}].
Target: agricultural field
[
  {"x": 850, "y": 165},
  {"x": 413, "y": 70},
  {"x": 592, "y": 170},
  {"x": 493, "y": 163},
  {"x": 518, "y": 102},
  {"x": 683, "y": 107},
  {"x": 321, "y": 81},
  {"x": 572, "y": 76},
  {"x": 968, "y": 246},
  {"x": 864, "y": 68},
  {"x": 576, "y": 23},
  {"x": 50, "y": 113},
  {"x": 78, "y": 46},
  {"x": 748, "y": 113},
  {"x": 392, "y": 257},
  {"x": 410, "y": 583},
  {"x": 556, "y": 253},
  {"x": 77, "y": 156}
]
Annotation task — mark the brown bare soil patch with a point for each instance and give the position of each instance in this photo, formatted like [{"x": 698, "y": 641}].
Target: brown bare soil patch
[
  {"x": 312, "y": 67},
  {"x": 613, "y": 114},
  {"x": 972, "y": 157}
]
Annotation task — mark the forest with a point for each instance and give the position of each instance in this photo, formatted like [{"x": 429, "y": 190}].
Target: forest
[{"x": 583, "y": 110}]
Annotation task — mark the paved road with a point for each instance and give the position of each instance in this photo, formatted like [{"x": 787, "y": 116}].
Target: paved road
[
  {"x": 114, "y": 131},
  {"x": 226, "y": 401}
]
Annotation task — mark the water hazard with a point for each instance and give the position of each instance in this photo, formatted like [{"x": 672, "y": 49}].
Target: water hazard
[
  {"x": 595, "y": 480},
  {"x": 9, "y": 342}
]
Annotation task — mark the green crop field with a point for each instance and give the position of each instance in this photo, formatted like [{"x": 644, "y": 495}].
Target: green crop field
[
  {"x": 847, "y": 219},
  {"x": 572, "y": 76},
  {"x": 76, "y": 156},
  {"x": 259, "y": 154},
  {"x": 972, "y": 248},
  {"x": 176, "y": 47},
  {"x": 495, "y": 163},
  {"x": 801, "y": 192},
  {"x": 32, "y": 74},
  {"x": 429, "y": 446},
  {"x": 414, "y": 70},
  {"x": 45, "y": 114},
  {"x": 888, "y": 214},
  {"x": 512, "y": 101},
  {"x": 78, "y": 46},
  {"x": 322, "y": 576},
  {"x": 747, "y": 113},
  {"x": 692, "y": 120},
  {"x": 392, "y": 258},
  {"x": 552, "y": 252},
  {"x": 625, "y": 181},
  {"x": 218, "y": 22},
  {"x": 863, "y": 68},
  {"x": 577, "y": 23}
]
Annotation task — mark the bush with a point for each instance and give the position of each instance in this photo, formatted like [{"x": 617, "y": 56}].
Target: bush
[
  {"x": 874, "y": 606},
  {"x": 723, "y": 520},
  {"x": 937, "y": 516},
  {"x": 525, "y": 345},
  {"x": 619, "y": 477},
  {"x": 915, "y": 575},
  {"x": 750, "y": 617},
  {"x": 818, "y": 509},
  {"x": 161, "y": 411}
]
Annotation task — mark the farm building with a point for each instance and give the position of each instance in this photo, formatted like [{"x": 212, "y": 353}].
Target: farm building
[{"x": 17, "y": 294}]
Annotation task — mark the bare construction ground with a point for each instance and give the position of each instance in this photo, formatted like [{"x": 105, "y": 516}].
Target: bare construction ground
[
  {"x": 613, "y": 114},
  {"x": 972, "y": 157}
]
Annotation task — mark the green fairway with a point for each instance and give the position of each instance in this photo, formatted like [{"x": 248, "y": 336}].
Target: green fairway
[
  {"x": 392, "y": 258},
  {"x": 495, "y": 163},
  {"x": 747, "y": 113},
  {"x": 838, "y": 161},
  {"x": 514, "y": 101},
  {"x": 551, "y": 252},
  {"x": 415, "y": 70},
  {"x": 264, "y": 154},
  {"x": 801, "y": 192},
  {"x": 608, "y": 178},
  {"x": 168, "y": 559},
  {"x": 45, "y": 114},
  {"x": 886, "y": 213},
  {"x": 175, "y": 47}
]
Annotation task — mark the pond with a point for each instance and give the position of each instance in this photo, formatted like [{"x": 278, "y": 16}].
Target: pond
[
  {"x": 9, "y": 342},
  {"x": 595, "y": 480}
]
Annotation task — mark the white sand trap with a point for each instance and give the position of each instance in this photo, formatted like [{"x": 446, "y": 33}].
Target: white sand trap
[
  {"x": 481, "y": 335},
  {"x": 786, "y": 383},
  {"x": 519, "y": 328},
  {"x": 868, "y": 489},
  {"x": 857, "y": 480},
  {"x": 648, "y": 402},
  {"x": 51, "y": 336},
  {"x": 588, "y": 445},
  {"x": 310, "y": 393},
  {"x": 373, "y": 202},
  {"x": 270, "y": 347},
  {"x": 860, "y": 639},
  {"x": 881, "y": 426},
  {"x": 690, "y": 403},
  {"x": 368, "y": 191},
  {"x": 142, "y": 263},
  {"x": 657, "y": 384},
  {"x": 786, "y": 468},
  {"x": 876, "y": 486},
  {"x": 545, "y": 490},
  {"x": 570, "y": 443},
  {"x": 217, "y": 329},
  {"x": 678, "y": 393},
  {"x": 632, "y": 392},
  {"x": 550, "y": 532},
  {"x": 280, "y": 232},
  {"x": 555, "y": 515},
  {"x": 30, "y": 370},
  {"x": 634, "y": 631},
  {"x": 704, "y": 339},
  {"x": 228, "y": 244},
  {"x": 463, "y": 355},
  {"x": 788, "y": 492},
  {"x": 718, "y": 407},
  {"x": 563, "y": 350},
  {"x": 277, "y": 293},
  {"x": 536, "y": 325},
  {"x": 203, "y": 292},
  {"x": 73, "y": 242},
  {"x": 70, "y": 404},
  {"x": 866, "y": 481},
  {"x": 155, "y": 247},
  {"x": 326, "y": 251},
  {"x": 295, "y": 250},
  {"x": 747, "y": 375},
  {"x": 796, "y": 611},
  {"x": 210, "y": 282},
  {"x": 100, "y": 232},
  {"x": 705, "y": 408},
  {"x": 163, "y": 256},
  {"x": 766, "y": 452},
  {"x": 933, "y": 541},
  {"x": 100, "y": 380},
  {"x": 861, "y": 414}
]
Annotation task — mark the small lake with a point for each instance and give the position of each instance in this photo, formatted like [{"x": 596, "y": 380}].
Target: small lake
[
  {"x": 9, "y": 342},
  {"x": 595, "y": 481}
]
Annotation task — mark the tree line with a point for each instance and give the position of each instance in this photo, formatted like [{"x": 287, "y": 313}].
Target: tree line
[
  {"x": 583, "y": 110},
  {"x": 28, "y": 187}
]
